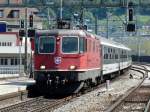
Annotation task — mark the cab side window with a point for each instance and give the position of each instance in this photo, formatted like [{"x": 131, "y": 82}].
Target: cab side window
[{"x": 81, "y": 45}]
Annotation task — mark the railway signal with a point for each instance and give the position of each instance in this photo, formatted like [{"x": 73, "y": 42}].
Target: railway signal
[
  {"x": 21, "y": 33},
  {"x": 31, "y": 32},
  {"x": 131, "y": 27},
  {"x": 130, "y": 14},
  {"x": 31, "y": 21},
  {"x": 22, "y": 24},
  {"x": 131, "y": 24}
]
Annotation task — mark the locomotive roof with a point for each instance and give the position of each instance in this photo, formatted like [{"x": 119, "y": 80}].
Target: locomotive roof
[
  {"x": 81, "y": 33},
  {"x": 65, "y": 32}
]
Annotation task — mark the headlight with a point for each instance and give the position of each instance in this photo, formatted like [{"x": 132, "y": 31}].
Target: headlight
[
  {"x": 72, "y": 67},
  {"x": 42, "y": 67}
]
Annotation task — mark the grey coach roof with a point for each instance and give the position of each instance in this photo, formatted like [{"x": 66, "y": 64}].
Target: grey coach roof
[{"x": 109, "y": 42}]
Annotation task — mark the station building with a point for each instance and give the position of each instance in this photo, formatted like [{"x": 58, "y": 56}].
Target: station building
[
  {"x": 13, "y": 15},
  {"x": 12, "y": 55}
]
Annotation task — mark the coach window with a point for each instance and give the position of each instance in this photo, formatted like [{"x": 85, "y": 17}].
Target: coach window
[
  {"x": 47, "y": 45},
  {"x": 110, "y": 56},
  {"x": 5, "y": 61},
  {"x": 70, "y": 44},
  {"x": 16, "y": 61},
  {"x": 106, "y": 56},
  {"x": 116, "y": 56},
  {"x": 12, "y": 61},
  {"x": 111, "y": 50},
  {"x": 2, "y": 61},
  {"x": 105, "y": 49}
]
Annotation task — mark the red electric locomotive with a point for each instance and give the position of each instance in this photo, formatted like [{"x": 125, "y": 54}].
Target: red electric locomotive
[{"x": 66, "y": 60}]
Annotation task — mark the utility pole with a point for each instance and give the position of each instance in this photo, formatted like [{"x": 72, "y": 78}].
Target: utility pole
[
  {"x": 20, "y": 46},
  {"x": 48, "y": 13},
  {"x": 107, "y": 27},
  {"x": 96, "y": 24},
  {"x": 20, "y": 57},
  {"x": 48, "y": 16},
  {"x": 61, "y": 9},
  {"x": 8, "y": 1},
  {"x": 82, "y": 11},
  {"x": 26, "y": 33}
]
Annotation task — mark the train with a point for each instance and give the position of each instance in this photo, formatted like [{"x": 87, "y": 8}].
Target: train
[{"x": 70, "y": 60}]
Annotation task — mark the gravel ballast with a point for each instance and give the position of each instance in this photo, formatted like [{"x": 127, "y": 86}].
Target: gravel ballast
[{"x": 99, "y": 100}]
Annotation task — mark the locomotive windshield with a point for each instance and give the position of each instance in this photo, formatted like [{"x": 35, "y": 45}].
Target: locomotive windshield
[
  {"x": 46, "y": 45},
  {"x": 70, "y": 44}
]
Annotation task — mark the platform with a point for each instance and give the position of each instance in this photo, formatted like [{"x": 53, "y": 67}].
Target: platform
[
  {"x": 14, "y": 85},
  {"x": 3, "y": 76}
]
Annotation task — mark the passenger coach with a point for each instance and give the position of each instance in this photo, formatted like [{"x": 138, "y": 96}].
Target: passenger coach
[{"x": 116, "y": 57}]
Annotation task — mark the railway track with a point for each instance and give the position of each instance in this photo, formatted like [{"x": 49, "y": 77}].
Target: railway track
[
  {"x": 39, "y": 104},
  {"x": 135, "y": 100}
]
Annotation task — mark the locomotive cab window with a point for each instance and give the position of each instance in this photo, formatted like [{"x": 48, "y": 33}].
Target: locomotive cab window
[
  {"x": 82, "y": 45},
  {"x": 70, "y": 44},
  {"x": 46, "y": 44}
]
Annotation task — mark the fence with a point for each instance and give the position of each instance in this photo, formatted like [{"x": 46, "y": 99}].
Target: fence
[{"x": 11, "y": 69}]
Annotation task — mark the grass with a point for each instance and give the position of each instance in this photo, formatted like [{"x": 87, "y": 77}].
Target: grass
[{"x": 143, "y": 19}]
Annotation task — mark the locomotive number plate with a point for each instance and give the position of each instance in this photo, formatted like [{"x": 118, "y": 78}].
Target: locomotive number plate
[{"x": 57, "y": 60}]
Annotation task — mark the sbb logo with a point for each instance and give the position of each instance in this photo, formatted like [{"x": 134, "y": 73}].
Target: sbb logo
[{"x": 57, "y": 60}]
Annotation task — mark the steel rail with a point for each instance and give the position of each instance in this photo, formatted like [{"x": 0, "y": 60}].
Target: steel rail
[
  {"x": 147, "y": 106},
  {"x": 121, "y": 100},
  {"x": 40, "y": 108},
  {"x": 20, "y": 104}
]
